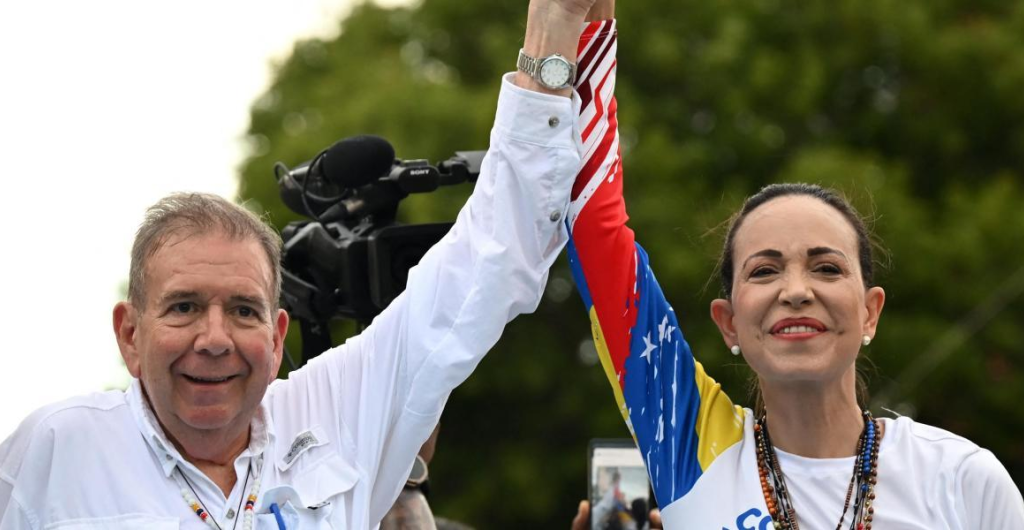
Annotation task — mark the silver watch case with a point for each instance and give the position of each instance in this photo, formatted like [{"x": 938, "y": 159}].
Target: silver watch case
[
  {"x": 553, "y": 72},
  {"x": 419, "y": 473}
]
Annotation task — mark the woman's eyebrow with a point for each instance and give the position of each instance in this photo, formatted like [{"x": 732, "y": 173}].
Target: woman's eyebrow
[
  {"x": 766, "y": 253},
  {"x": 818, "y": 251}
]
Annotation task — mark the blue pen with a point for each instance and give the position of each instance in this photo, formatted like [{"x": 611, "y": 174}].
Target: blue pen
[{"x": 277, "y": 515}]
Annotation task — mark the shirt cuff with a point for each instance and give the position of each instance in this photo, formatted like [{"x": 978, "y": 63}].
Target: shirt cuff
[{"x": 534, "y": 117}]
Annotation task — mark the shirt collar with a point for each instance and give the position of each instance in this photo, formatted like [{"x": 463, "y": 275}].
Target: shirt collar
[{"x": 261, "y": 431}]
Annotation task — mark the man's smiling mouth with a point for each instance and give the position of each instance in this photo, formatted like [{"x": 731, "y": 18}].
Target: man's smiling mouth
[{"x": 205, "y": 380}]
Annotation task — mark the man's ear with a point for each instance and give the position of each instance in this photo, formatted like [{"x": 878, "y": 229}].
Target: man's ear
[
  {"x": 722, "y": 314},
  {"x": 280, "y": 331},
  {"x": 874, "y": 301},
  {"x": 125, "y": 325}
]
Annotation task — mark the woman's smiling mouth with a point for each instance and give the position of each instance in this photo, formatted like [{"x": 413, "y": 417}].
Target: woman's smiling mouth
[{"x": 797, "y": 328}]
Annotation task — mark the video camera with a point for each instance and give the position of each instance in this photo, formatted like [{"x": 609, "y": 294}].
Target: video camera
[{"x": 352, "y": 258}]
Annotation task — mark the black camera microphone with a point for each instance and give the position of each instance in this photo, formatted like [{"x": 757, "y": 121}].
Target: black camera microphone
[
  {"x": 354, "y": 162},
  {"x": 348, "y": 164}
]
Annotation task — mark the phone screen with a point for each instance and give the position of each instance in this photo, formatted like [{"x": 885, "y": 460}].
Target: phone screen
[{"x": 619, "y": 487}]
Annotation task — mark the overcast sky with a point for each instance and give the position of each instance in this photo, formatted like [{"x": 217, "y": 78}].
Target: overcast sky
[{"x": 106, "y": 106}]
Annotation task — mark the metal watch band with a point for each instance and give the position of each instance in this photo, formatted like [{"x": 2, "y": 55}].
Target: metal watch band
[
  {"x": 527, "y": 64},
  {"x": 531, "y": 67}
]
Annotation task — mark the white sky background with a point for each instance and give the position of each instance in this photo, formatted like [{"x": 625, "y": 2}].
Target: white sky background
[{"x": 106, "y": 106}]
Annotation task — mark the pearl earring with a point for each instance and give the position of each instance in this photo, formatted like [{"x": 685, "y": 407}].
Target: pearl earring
[
  {"x": 866, "y": 340},
  {"x": 735, "y": 349}
]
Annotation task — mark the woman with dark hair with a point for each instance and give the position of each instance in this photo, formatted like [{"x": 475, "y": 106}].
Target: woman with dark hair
[{"x": 798, "y": 303}]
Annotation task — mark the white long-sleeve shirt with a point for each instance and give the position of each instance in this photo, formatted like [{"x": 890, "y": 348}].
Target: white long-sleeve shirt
[{"x": 338, "y": 438}]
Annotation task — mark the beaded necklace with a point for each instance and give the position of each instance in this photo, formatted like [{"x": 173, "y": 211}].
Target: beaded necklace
[
  {"x": 192, "y": 499},
  {"x": 865, "y": 476}
]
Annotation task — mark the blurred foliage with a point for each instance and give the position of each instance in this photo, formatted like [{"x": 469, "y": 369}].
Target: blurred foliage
[{"x": 912, "y": 107}]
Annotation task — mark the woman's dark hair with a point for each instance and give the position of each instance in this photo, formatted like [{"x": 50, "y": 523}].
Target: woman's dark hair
[{"x": 827, "y": 196}]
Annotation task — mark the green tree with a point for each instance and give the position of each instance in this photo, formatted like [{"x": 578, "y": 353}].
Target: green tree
[{"x": 912, "y": 107}]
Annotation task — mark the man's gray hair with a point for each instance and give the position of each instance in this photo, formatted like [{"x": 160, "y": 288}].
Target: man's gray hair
[{"x": 192, "y": 214}]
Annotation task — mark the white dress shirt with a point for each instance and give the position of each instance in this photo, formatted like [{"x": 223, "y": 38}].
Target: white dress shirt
[{"x": 334, "y": 443}]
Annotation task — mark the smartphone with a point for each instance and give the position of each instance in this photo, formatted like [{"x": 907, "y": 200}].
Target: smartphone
[{"x": 620, "y": 491}]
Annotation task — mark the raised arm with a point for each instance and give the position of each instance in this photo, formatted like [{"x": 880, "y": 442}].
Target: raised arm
[
  {"x": 390, "y": 383},
  {"x": 678, "y": 415}
]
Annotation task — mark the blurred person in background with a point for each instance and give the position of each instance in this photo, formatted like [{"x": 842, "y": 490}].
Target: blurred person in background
[
  {"x": 639, "y": 511},
  {"x": 412, "y": 510},
  {"x": 799, "y": 303},
  {"x": 608, "y": 506},
  {"x": 205, "y": 436}
]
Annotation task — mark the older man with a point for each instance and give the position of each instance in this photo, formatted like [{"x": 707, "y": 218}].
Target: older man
[{"x": 204, "y": 436}]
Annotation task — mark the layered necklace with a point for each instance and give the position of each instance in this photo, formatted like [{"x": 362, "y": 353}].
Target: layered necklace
[
  {"x": 862, "y": 484},
  {"x": 192, "y": 499}
]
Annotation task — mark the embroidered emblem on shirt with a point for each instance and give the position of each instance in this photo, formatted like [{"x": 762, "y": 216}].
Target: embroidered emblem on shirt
[{"x": 302, "y": 442}]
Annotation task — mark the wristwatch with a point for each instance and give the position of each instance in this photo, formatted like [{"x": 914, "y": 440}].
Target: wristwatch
[
  {"x": 418, "y": 476},
  {"x": 553, "y": 72}
]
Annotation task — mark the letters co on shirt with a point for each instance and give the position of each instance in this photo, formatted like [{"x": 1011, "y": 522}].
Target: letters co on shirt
[{"x": 752, "y": 519}]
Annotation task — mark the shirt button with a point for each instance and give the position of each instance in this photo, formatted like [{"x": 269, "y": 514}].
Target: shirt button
[
  {"x": 555, "y": 215},
  {"x": 553, "y": 122},
  {"x": 169, "y": 457},
  {"x": 231, "y": 513}
]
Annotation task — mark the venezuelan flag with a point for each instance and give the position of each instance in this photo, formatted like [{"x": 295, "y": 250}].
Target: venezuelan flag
[{"x": 678, "y": 415}]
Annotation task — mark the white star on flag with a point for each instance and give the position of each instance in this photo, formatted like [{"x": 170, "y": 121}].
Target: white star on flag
[{"x": 648, "y": 348}]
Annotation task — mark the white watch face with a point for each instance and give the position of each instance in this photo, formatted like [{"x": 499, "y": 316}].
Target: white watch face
[{"x": 554, "y": 73}]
